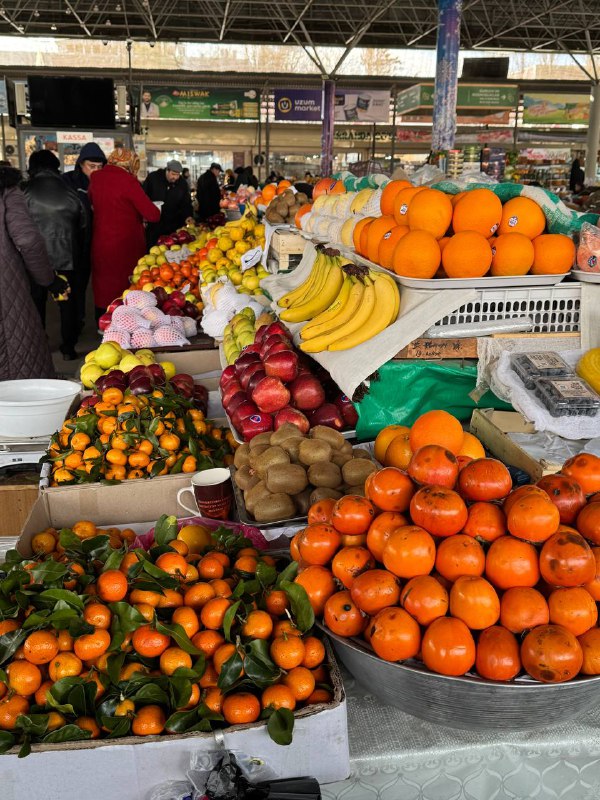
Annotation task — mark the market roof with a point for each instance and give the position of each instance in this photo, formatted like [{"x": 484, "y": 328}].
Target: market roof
[{"x": 540, "y": 25}]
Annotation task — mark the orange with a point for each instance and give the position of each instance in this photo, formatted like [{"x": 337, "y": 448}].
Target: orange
[
  {"x": 471, "y": 446},
  {"x": 186, "y": 617},
  {"x": 146, "y": 596},
  {"x": 64, "y": 665},
  {"x": 417, "y": 255},
  {"x": 357, "y": 231},
  {"x": 170, "y": 598},
  {"x": 43, "y": 543},
  {"x": 24, "y": 678},
  {"x": 430, "y": 210},
  {"x": 241, "y": 708},
  {"x": 116, "y": 457},
  {"x": 84, "y": 529},
  {"x": 10, "y": 710},
  {"x": 88, "y": 724},
  {"x": 387, "y": 245},
  {"x": 276, "y": 602},
  {"x": 40, "y": 695},
  {"x": 65, "y": 641},
  {"x": 79, "y": 441},
  {"x": 402, "y": 203},
  {"x": 149, "y": 721},
  {"x": 173, "y": 658},
  {"x": 173, "y": 564},
  {"x": 314, "y": 652},
  {"x": 399, "y": 452},
  {"x": 112, "y": 586},
  {"x": 40, "y": 647},
  {"x": 554, "y": 254},
  {"x": 437, "y": 427},
  {"x": 259, "y": 625},
  {"x": 375, "y": 233},
  {"x": 210, "y": 568},
  {"x": 97, "y": 615},
  {"x": 278, "y": 696},
  {"x": 478, "y": 210},
  {"x": 301, "y": 681},
  {"x": 384, "y": 437},
  {"x": 92, "y": 645},
  {"x": 213, "y": 612},
  {"x": 213, "y": 699},
  {"x": 269, "y": 191},
  {"x": 149, "y": 642},
  {"x": 389, "y": 194},
  {"x": 512, "y": 254},
  {"x": 8, "y": 625},
  {"x": 467, "y": 255},
  {"x": 198, "y": 595},
  {"x": 364, "y": 237},
  {"x": 287, "y": 651},
  {"x": 130, "y": 669},
  {"x": 522, "y": 215}
]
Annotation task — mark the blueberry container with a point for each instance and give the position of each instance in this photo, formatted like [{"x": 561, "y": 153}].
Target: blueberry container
[{"x": 532, "y": 366}]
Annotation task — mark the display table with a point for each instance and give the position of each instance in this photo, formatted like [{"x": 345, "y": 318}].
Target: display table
[{"x": 395, "y": 756}]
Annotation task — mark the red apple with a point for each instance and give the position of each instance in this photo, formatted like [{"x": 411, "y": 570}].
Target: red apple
[
  {"x": 178, "y": 298},
  {"x": 237, "y": 399},
  {"x": 277, "y": 329},
  {"x": 347, "y": 410},
  {"x": 174, "y": 311},
  {"x": 160, "y": 294},
  {"x": 307, "y": 393},
  {"x": 228, "y": 374},
  {"x": 252, "y": 348},
  {"x": 271, "y": 395},
  {"x": 105, "y": 320},
  {"x": 90, "y": 401},
  {"x": 255, "y": 379},
  {"x": 294, "y": 417},
  {"x": 183, "y": 377},
  {"x": 244, "y": 359},
  {"x": 255, "y": 424},
  {"x": 244, "y": 410},
  {"x": 282, "y": 365},
  {"x": 233, "y": 387},
  {"x": 140, "y": 371},
  {"x": 270, "y": 342},
  {"x": 260, "y": 334},
  {"x": 115, "y": 304},
  {"x": 248, "y": 372},
  {"x": 327, "y": 414}
]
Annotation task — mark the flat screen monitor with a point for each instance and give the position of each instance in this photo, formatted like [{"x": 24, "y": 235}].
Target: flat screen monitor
[
  {"x": 482, "y": 68},
  {"x": 85, "y": 103}
]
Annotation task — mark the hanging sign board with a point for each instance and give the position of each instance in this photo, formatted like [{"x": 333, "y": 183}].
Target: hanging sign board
[
  {"x": 556, "y": 109},
  {"x": 362, "y": 105},
  {"x": 172, "y": 102},
  {"x": 74, "y": 137},
  {"x": 298, "y": 105},
  {"x": 469, "y": 96}
]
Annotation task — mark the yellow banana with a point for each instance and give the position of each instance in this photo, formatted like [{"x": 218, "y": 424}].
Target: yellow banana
[
  {"x": 356, "y": 313},
  {"x": 321, "y": 299},
  {"x": 300, "y": 291},
  {"x": 333, "y": 309},
  {"x": 396, "y": 291},
  {"x": 379, "y": 317},
  {"x": 318, "y": 338}
]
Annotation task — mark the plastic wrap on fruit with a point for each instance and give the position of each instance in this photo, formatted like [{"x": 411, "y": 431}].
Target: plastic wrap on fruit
[
  {"x": 139, "y": 299},
  {"x": 174, "y": 790},
  {"x": 588, "y": 252},
  {"x": 167, "y": 336},
  {"x": 117, "y": 335},
  {"x": 129, "y": 319}
]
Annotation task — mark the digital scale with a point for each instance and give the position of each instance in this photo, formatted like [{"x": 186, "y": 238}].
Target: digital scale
[{"x": 22, "y": 450}]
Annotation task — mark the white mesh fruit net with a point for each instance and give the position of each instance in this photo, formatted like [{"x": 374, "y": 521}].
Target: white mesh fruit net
[
  {"x": 143, "y": 338},
  {"x": 177, "y": 323},
  {"x": 139, "y": 299},
  {"x": 155, "y": 315},
  {"x": 129, "y": 319},
  {"x": 121, "y": 337},
  {"x": 190, "y": 326},
  {"x": 167, "y": 336}
]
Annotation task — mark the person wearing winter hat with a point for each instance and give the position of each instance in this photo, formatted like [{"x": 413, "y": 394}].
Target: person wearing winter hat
[
  {"x": 169, "y": 188},
  {"x": 91, "y": 158}
]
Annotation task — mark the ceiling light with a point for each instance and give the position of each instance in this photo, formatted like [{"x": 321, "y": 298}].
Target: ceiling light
[
  {"x": 108, "y": 22},
  {"x": 53, "y": 27},
  {"x": 36, "y": 13}
]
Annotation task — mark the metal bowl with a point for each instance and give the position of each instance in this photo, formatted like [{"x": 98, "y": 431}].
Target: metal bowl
[{"x": 468, "y": 702}]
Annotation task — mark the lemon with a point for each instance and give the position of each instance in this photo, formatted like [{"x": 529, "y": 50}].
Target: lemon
[{"x": 170, "y": 370}]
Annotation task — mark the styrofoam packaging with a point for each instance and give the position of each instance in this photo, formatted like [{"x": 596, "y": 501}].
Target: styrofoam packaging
[{"x": 35, "y": 407}]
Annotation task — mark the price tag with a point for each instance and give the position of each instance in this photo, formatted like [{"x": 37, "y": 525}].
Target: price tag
[{"x": 251, "y": 258}]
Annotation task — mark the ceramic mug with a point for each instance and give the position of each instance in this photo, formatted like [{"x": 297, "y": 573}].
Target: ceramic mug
[{"x": 212, "y": 491}]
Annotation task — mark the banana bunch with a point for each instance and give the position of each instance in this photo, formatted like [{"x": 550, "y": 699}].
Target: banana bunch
[
  {"x": 364, "y": 306},
  {"x": 318, "y": 291}
]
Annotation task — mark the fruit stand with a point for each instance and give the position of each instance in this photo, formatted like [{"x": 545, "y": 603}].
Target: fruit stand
[{"x": 378, "y": 509}]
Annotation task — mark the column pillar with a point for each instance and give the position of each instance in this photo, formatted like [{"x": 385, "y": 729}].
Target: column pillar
[
  {"x": 593, "y": 136},
  {"x": 446, "y": 74},
  {"x": 328, "y": 126}
]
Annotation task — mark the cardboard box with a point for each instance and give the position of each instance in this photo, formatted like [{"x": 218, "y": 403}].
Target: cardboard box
[
  {"x": 287, "y": 243},
  {"x": 15, "y": 503},
  {"x": 492, "y": 428}
]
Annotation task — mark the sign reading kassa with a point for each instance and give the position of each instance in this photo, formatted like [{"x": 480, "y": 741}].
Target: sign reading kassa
[{"x": 172, "y": 102}]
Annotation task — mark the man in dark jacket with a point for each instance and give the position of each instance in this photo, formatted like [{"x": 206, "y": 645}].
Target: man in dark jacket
[
  {"x": 91, "y": 158},
  {"x": 209, "y": 193},
  {"x": 168, "y": 187},
  {"x": 61, "y": 219}
]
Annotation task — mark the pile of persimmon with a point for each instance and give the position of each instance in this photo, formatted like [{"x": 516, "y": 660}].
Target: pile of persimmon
[
  {"x": 186, "y": 273},
  {"x": 200, "y": 631},
  {"x": 126, "y": 436},
  {"x": 448, "y": 564}
]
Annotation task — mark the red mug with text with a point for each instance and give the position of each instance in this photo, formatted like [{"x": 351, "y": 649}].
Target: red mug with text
[{"x": 212, "y": 491}]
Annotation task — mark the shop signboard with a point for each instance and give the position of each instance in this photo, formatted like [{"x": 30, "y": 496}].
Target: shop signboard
[
  {"x": 298, "y": 105},
  {"x": 556, "y": 109},
  {"x": 172, "y": 102},
  {"x": 362, "y": 105},
  {"x": 469, "y": 95},
  {"x": 74, "y": 137}
]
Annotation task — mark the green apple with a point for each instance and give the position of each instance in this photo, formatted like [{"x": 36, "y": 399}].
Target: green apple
[
  {"x": 169, "y": 289},
  {"x": 245, "y": 338},
  {"x": 145, "y": 356},
  {"x": 150, "y": 261},
  {"x": 235, "y": 276},
  {"x": 91, "y": 356},
  {"x": 128, "y": 362},
  {"x": 160, "y": 260},
  {"x": 169, "y": 368},
  {"x": 249, "y": 312},
  {"x": 108, "y": 355},
  {"x": 250, "y": 282},
  {"x": 243, "y": 290},
  {"x": 163, "y": 248},
  {"x": 190, "y": 297},
  {"x": 175, "y": 247},
  {"x": 90, "y": 374}
]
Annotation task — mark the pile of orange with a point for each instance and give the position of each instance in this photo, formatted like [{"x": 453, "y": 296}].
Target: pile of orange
[
  {"x": 445, "y": 563},
  {"x": 127, "y": 436},
  {"x": 197, "y": 632},
  {"x": 425, "y": 233}
]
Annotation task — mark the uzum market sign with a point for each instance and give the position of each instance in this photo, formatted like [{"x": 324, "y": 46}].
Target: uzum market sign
[
  {"x": 298, "y": 105},
  {"x": 173, "y": 102}
]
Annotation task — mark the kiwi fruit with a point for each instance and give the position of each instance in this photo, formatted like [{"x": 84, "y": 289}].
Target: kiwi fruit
[
  {"x": 312, "y": 451},
  {"x": 245, "y": 478},
  {"x": 286, "y": 431},
  {"x": 289, "y": 198},
  {"x": 301, "y": 198},
  {"x": 274, "y": 507},
  {"x": 242, "y": 456},
  {"x": 334, "y": 438},
  {"x": 359, "y": 452},
  {"x": 356, "y": 471},
  {"x": 322, "y": 493},
  {"x": 254, "y": 454},
  {"x": 255, "y": 495},
  {"x": 359, "y": 490},
  {"x": 261, "y": 439},
  {"x": 325, "y": 474},
  {"x": 294, "y": 210},
  {"x": 302, "y": 502},
  {"x": 270, "y": 458},
  {"x": 286, "y": 478},
  {"x": 273, "y": 217},
  {"x": 340, "y": 458},
  {"x": 346, "y": 447}
]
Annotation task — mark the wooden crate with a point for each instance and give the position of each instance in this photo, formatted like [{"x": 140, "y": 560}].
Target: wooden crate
[
  {"x": 287, "y": 243},
  {"x": 439, "y": 349},
  {"x": 492, "y": 428},
  {"x": 16, "y": 502}
]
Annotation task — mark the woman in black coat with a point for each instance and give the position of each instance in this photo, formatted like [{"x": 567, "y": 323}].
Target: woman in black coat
[{"x": 24, "y": 351}]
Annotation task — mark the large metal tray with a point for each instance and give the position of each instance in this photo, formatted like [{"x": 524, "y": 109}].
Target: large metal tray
[
  {"x": 244, "y": 515},
  {"x": 467, "y": 702}
]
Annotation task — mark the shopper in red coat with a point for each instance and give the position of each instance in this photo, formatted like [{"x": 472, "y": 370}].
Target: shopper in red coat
[{"x": 118, "y": 240}]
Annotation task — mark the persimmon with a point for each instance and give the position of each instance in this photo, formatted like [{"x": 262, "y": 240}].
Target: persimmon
[
  {"x": 518, "y": 494},
  {"x": 459, "y": 555},
  {"x": 533, "y": 518},
  {"x": 380, "y": 530},
  {"x": 498, "y": 657},
  {"x": 483, "y": 480},
  {"x": 551, "y": 654},
  {"x": 590, "y": 647},
  {"x": 433, "y": 465},
  {"x": 349, "y": 562},
  {"x": 566, "y": 559},
  {"x": 593, "y": 586},
  {"x": 375, "y": 590},
  {"x": 574, "y": 608},
  {"x": 394, "y": 635},
  {"x": 566, "y": 494},
  {"x": 448, "y": 647},
  {"x": 318, "y": 543},
  {"x": 319, "y": 585},
  {"x": 321, "y": 511},
  {"x": 585, "y": 469},
  {"x": 342, "y": 616},
  {"x": 425, "y": 599},
  {"x": 390, "y": 489},
  {"x": 511, "y": 562},
  {"x": 523, "y": 608},
  {"x": 439, "y": 510},
  {"x": 352, "y": 514},
  {"x": 474, "y": 600},
  {"x": 409, "y": 551},
  {"x": 588, "y": 522},
  {"x": 485, "y": 521}
]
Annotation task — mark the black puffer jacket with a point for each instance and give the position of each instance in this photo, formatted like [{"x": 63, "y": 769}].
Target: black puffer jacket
[
  {"x": 60, "y": 217},
  {"x": 177, "y": 204}
]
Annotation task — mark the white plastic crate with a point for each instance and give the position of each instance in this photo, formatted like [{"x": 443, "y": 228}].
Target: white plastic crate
[{"x": 554, "y": 309}]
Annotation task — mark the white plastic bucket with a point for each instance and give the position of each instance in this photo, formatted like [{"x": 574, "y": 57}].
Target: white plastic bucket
[{"x": 35, "y": 407}]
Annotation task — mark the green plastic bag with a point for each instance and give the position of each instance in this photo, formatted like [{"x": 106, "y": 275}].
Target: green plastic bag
[{"x": 406, "y": 389}]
